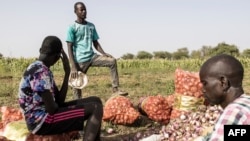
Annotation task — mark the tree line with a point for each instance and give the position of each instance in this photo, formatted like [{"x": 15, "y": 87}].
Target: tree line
[{"x": 184, "y": 53}]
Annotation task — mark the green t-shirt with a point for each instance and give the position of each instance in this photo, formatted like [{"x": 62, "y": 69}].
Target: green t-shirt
[{"x": 82, "y": 37}]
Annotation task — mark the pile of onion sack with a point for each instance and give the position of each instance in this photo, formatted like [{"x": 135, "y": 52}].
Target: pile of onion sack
[
  {"x": 188, "y": 92},
  {"x": 191, "y": 116},
  {"x": 120, "y": 110}
]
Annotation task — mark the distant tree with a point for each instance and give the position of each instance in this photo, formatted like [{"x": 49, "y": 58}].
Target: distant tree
[
  {"x": 195, "y": 54},
  {"x": 181, "y": 53},
  {"x": 223, "y": 48},
  {"x": 206, "y": 51},
  {"x": 246, "y": 53},
  {"x": 128, "y": 56},
  {"x": 1, "y": 55},
  {"x": 162, "y": 55},
  {"x": 144, "y": 55}
]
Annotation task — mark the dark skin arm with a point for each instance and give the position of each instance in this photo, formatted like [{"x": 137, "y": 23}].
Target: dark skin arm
[
  {"x": 72, "y": 60},
  {"x": 60, "y": 99},
  {"x": 50, "y": 105},
  {"x": 99, "y": 49}
]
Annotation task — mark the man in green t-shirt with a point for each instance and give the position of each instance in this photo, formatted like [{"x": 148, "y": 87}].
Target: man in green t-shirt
[{"x": 80, "y": 37}]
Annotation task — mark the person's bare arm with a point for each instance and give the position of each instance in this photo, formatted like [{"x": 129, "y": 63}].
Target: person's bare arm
[
  {"x": 50, "y": 105},
  {"x": 99, "y": 49},
  {"x": 60, "y": 99},
  {"x": 72, "y": 60}
]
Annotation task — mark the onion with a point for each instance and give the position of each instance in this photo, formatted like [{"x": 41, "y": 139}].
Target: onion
[
  {"x": 183, "y": 117},
  {"x": 110, "y": 130},
  {"x": 190, "y": 125}
]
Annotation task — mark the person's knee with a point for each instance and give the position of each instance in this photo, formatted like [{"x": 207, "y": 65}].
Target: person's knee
[
  {"x": 113, "y": 61},
  {"x": 97, "y": 99},
  {"x": 99, "y": 108}
]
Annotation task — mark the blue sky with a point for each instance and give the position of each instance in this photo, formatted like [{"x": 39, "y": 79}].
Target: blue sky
[{"x": 127, "y": 26}]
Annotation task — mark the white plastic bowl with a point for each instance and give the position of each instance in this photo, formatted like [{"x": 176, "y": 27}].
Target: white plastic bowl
[{"x": 79, "y": 82}]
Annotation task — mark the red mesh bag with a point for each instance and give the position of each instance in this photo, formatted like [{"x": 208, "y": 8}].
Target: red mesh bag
[
  {"x": 157, "y": 108},
  {"x": 188, "y": 83},
  {"x": 120, "y": 110},
  {"x": 10, "y": 114}
]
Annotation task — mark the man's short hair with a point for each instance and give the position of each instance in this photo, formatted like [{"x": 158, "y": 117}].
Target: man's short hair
[{"x": 51, "y": 45}]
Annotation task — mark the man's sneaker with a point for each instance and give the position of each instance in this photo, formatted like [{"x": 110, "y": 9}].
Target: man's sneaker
[{"x": 120, "y": 92}]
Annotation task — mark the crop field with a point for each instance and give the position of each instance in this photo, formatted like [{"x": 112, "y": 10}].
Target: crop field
[{"x": 138, "y": 77}]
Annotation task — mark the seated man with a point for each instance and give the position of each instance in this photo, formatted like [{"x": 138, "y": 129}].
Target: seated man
[{"x": 43, "y": 103}]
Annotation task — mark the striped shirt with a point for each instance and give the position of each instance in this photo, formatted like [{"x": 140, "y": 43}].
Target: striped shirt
[{"x": 236, "y": 113}]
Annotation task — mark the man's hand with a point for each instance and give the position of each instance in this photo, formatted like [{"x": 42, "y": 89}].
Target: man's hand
[{"x": 74, "y": 73}]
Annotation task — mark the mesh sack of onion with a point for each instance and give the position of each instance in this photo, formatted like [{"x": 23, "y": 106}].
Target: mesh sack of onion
[
  {"x": 120, "y": 110},
  {"x": 156, "y": 108},
  {"x": 188, "y": 92}
]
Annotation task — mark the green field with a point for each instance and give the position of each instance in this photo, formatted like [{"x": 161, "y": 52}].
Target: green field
[{"x": 138, "y": 77}]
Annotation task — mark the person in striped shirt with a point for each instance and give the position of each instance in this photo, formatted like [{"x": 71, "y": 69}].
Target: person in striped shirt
[
  {"x": 43, "y": 104},
  {"x": 222, "y": 77}
]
